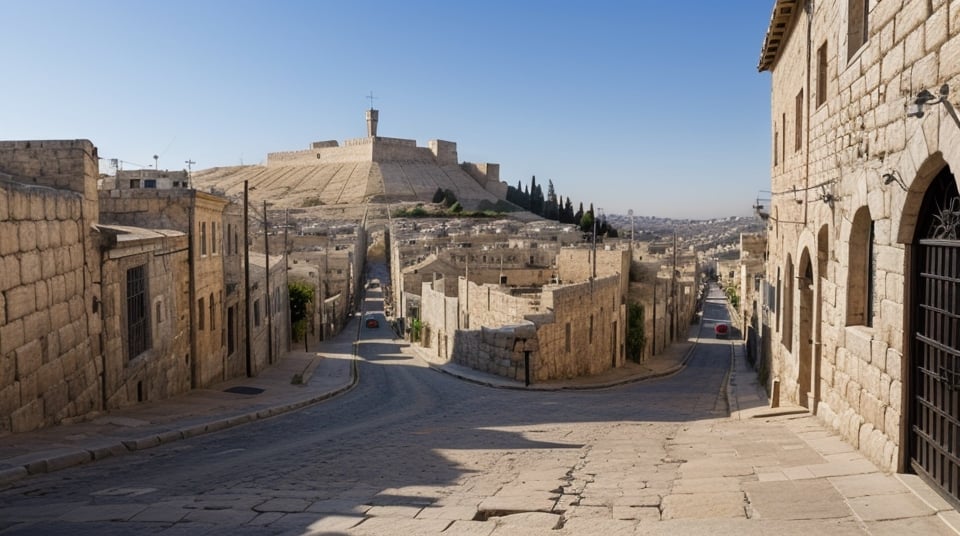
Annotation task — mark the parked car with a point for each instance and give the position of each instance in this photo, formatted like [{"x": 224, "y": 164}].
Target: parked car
[
  {"x": 721, "y": 330},
  {"x": 373, "y": 323}
]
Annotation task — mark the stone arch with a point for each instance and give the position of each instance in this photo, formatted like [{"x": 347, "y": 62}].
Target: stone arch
[
  {"x": 921, "y": 179},
  {"x": 805, "y": 285},
  {"x": 786, "y": 331},
  {"x": 860, "y": 269},
  {"x": 931, "y": 308}
]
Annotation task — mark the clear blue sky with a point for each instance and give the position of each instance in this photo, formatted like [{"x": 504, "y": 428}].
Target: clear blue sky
[{"x": 650, "y": 105}]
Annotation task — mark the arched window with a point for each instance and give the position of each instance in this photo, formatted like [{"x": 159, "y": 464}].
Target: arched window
[
  {"x": 788, "y": 285},
  {"x": 861, "y": 269}
]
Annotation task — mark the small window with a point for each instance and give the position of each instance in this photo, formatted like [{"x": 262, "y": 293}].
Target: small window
[
  {"x": 138, "y": 334},
  {"x": 798, "y": 123},
  {"x": 213, "y": 313},
  {"x": 857, "y": 26},
  {"x": 783, "y": 140},
  {"x": 203, "y": 238},
  {"x": 567, "y": 337},
  {"x": 861, "y": 270},
  {"x": 822, "y": 74},
  {"x": 150, "y": 183},
  {"x": 776, "y": 148},
  {"x": 201, "y": 310},
  {"x": 134, "y": 184},
  {"x": 256, "y": 312},
  {"x": 213, "y": 237}
]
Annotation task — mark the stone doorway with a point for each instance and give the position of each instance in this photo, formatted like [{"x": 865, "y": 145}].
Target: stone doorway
[
  {"x": 934, "y": 370},
  {"x": 805, "y": 343}
]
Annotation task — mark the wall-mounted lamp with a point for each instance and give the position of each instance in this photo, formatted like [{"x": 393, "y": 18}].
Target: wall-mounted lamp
[
  {"x": 894, "y": 176},
  {"x": 924, "y": 99},
  {"x": 827, "y": 197}
]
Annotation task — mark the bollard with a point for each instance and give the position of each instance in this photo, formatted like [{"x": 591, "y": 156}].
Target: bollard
[{"x": 775, "y": 394}]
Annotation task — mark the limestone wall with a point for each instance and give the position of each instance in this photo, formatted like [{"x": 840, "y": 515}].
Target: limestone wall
[
  {"x": 162, "y": 369},
  {"x": 49, "y": 270},
  {"x": 445, "y": 152},
  {"x": 564, "y": 331},
  {"x": 501, "y": 350},
  {"x": 852, "y": 374},
  {"x": 439, "y": 316}
]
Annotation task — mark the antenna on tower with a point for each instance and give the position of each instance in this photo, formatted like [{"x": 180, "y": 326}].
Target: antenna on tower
[{"x": 371, "y": 97}]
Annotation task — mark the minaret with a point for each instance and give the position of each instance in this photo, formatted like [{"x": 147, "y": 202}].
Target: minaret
[{"x": 372, "y": 117}]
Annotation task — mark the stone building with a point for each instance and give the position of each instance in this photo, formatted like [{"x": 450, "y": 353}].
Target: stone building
[
  {"x": 146, "y": 321},
  {"x": 863, "y": 228},
  {"x": 147, "y": 179},
  {"x": 214, "y": 254},
  {"x": 533, "y": 334},
  {"x": 50, "y": 291},
  {"x": 115, "y": 297}
]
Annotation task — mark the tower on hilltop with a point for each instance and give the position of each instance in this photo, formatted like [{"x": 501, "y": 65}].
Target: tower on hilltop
[{"x": 372, "y": 117}]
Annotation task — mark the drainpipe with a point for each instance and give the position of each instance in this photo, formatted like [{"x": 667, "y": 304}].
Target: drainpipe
[{"x": 808, "y": 8}]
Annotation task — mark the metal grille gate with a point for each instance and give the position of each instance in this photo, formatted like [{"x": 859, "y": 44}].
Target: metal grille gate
[{"x": 935, "y": 427}]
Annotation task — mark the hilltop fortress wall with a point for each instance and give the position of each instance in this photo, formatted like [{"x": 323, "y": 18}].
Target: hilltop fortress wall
[{"x": 370, "y": 149}]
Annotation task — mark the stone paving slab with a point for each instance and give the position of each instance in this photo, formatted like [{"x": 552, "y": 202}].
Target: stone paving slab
[
  {"x": 795, "y": 499},
  {"x": 885, "y": 507},
  {"x": 867, "y": 484},
  {"x": 729, "y": 504},
  {"x": 928, "y": 526}
]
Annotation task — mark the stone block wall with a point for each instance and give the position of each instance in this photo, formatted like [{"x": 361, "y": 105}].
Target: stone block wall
[
  {"x": 439, "y": 314},
  {"x": 163, "y": 369},
  {"x": 49, "y": 329},
  {"x": 586, "y": 334},
  {"x": 576, "y": 330},
  {"x": 841, "y": 142},
  {"x": 445, "y": 152},
  {"x": 499, "y": 351}
]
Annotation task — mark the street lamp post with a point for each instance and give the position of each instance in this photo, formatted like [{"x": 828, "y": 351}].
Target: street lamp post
[
  {"x": 266, "y": 252},
  {"x": 246, "y": 275}
]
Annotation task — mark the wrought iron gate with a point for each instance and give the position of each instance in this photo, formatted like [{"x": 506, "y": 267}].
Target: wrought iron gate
[{"x": 935, "y": 373}]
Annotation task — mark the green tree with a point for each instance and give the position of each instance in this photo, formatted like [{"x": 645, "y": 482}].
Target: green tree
[
  {"x": 438, "y": 195},
  {"x": 636, "y": 338},
  {"x": 301, "y": 296},
  {"x": 586, "y": 222}
]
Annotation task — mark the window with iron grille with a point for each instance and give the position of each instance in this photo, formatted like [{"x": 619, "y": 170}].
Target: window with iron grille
[{"x": 138, "y": 326}]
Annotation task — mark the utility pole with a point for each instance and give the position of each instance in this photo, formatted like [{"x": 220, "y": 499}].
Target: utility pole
[
  {"x": 266, "y": 252},
  {"x": 592, "y": 214},
  {"x": 673, "y": 292},
  {"x": 189, "y": 164},
  {"x": 246, "y": 275}
]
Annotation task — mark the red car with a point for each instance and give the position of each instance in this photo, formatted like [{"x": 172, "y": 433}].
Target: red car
[
  {"x": 373, "y": 323},
  {"x": 721, "y": 331}
]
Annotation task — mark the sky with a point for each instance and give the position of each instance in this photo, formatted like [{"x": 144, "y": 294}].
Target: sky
[{"x": 646, "y": 105}]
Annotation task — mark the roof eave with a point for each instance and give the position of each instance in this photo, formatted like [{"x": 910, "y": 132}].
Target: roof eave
[{"x": 781, "y": 22}]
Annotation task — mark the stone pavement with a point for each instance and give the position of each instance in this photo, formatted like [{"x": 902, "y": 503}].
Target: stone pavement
[
  {"x": 762, "y": 470},
  {"x": 298, "y": 379}
]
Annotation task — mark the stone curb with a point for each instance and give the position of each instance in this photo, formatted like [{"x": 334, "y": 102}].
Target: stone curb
[{"x": 62, "y": 458}]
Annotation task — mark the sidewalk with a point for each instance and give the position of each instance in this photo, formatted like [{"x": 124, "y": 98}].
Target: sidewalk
[{"x": 328, "y": 370}]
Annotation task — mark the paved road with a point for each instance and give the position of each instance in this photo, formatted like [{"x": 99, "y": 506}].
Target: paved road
[{"x": 414, "y": 451}]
